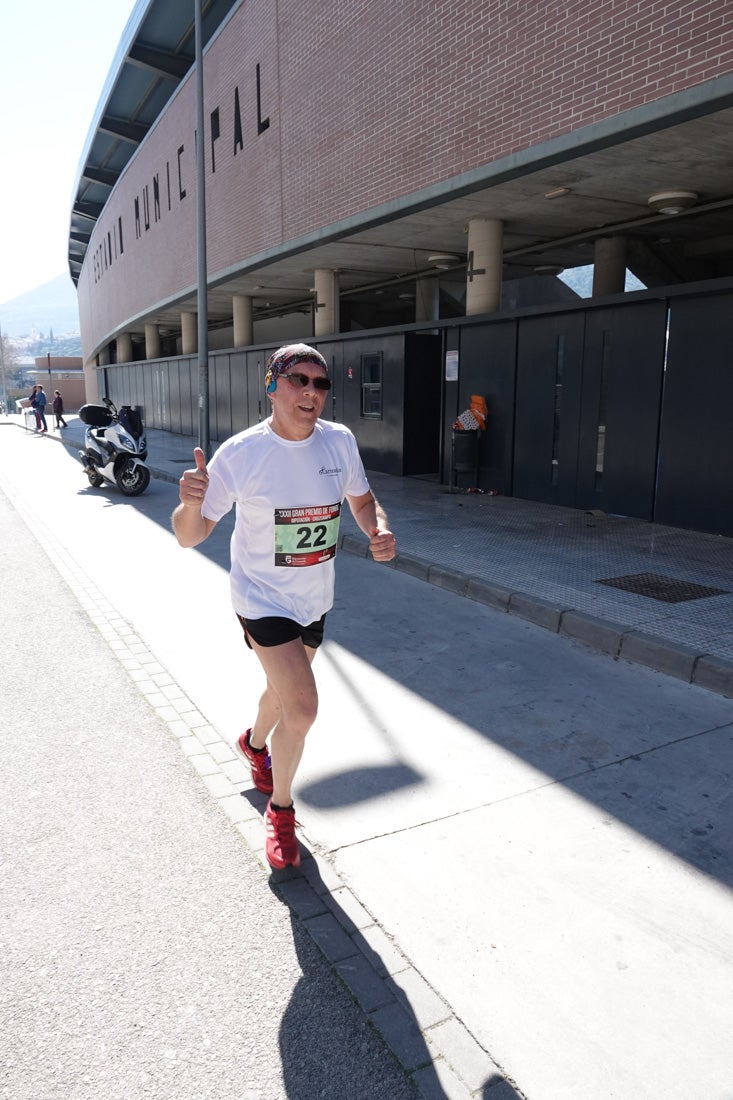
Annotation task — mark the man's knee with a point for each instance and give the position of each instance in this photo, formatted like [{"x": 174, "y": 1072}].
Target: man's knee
[{"x": 300, "y": 713}]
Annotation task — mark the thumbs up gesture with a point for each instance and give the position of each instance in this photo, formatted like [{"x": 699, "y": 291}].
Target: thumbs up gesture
[{"x": 193, "y": 484}]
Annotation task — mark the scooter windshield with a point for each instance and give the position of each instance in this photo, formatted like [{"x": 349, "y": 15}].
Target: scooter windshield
[{"x": 131, "y": 421}]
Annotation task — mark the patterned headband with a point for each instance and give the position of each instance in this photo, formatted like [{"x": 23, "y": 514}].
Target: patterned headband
[{"x": 285, "y": 357}]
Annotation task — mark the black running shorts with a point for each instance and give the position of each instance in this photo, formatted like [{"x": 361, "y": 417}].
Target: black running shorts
[{"x": 276, "y": 630}]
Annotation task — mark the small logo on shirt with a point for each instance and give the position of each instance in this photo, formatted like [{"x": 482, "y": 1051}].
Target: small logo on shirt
[{"x": 330, "y": 471}]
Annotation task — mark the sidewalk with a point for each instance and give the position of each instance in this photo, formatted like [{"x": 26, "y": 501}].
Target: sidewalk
[{"x": 546, "y": 564}]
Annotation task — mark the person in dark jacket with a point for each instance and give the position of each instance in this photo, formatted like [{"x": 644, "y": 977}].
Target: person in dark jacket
[
  {"x": 58, "y": 410},
  {"x": 40, "y": 407},
  {"x": 32, "y": 402}
]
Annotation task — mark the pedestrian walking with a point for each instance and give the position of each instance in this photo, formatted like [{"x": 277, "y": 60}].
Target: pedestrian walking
[
  {"x": 40, "y": 408},
  {"x": 287, "y": 477},
  {"x": 31, "y": 399},
  {"x": 58, "y": 410}
]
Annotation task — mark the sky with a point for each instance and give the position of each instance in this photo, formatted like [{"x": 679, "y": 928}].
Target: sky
[{"x": 55, "y": 60}]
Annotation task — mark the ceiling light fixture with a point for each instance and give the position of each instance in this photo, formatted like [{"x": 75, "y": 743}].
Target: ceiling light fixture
[
  {"x": 672, "y": 202},
  {"x": 558, "y": 192},
  {"x": 444, "y": 260}
]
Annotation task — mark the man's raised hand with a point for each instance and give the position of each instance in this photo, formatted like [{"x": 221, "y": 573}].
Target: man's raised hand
[{"x": 193, "y": 484}]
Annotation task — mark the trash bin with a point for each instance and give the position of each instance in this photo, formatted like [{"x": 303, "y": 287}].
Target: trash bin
[{"x": 464, "y": 457}]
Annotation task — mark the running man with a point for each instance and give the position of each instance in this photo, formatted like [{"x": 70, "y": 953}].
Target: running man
[{"x": 288, "y": 478}]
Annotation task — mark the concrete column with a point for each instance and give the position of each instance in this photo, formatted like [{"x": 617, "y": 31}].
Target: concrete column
[
  {"x": 152, "y": 342},
  {"x": 91, "y": 389},
  {"x": 326, "y": 319},
  {"x": 609, "y": 265},
  {"x": 189, "y": 334},
  {"x": 483, "y": 275},
  {"x": 103, "y": 357},
  {"x": 427, "y": 298},
  {"x": 242, "y": 313},
  {"x": 124, "y": 348}
]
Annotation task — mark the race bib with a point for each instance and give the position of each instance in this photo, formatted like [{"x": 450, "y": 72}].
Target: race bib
[{"x": 306, "y": 536}]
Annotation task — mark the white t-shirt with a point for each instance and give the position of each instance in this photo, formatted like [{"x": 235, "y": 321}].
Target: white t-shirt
[{"x": 288, "y": 498}]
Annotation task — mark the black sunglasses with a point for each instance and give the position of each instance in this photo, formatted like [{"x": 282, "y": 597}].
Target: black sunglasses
[{"x": 302, "y": 380}]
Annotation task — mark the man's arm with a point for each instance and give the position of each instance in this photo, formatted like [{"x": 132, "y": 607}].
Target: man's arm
[
  {"x": 189, "y": 526},
  {"x": 371, "y": 518}
]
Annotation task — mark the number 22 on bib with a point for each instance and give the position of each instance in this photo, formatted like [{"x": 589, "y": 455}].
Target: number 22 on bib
[{"x": 306, "y": 536}]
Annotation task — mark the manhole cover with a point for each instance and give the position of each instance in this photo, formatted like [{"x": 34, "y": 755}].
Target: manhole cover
[{"x": 666, "y": 589}]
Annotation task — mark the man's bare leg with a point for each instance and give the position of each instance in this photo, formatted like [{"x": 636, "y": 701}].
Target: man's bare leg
[{"x": 288, "y": 707}]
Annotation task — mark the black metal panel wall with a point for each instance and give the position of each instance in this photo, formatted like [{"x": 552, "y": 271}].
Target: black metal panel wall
[
  {"x": 623, "y": 369},
  {"x": 381, "y": 440},
  {"x": 421, "y": 403},
  {"x": 189, "y": 396},
  {"x": 582, "y": 411},
  {"x": 488, "y": 367},
  {"x": 548, "y": 402},
  {"x": 220, "y": 397},
  {"x": 333, "y": 352},
  {"x": 695, "y": 486}
]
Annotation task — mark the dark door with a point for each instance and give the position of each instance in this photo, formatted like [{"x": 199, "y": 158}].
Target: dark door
[
  {"x": 488, "y": 368},
  {"x": 623, "y": 370},
  {"x": 422, "y": 404},
  {"x": 547, "y": 424},
  {"x": 695, "y": 487}
]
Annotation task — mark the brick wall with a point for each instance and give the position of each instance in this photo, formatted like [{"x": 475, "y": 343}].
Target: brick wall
[{"x": 369, "y": 102}]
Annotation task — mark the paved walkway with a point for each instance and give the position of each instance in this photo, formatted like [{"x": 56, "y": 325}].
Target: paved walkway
[{"x": 553, "y": 566}]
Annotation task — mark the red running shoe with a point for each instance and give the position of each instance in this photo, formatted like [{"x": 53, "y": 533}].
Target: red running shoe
[
  {"x": 259, "y": 762},
  {"x": 281, "y": 846}
]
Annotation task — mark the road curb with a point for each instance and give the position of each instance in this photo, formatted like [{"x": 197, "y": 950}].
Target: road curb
[{"x": 605, "y": 636}]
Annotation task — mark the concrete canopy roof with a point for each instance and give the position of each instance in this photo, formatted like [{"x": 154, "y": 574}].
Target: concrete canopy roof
[
  {"x": 601, "y": 178},
  {"x": 156, "y": 52}
]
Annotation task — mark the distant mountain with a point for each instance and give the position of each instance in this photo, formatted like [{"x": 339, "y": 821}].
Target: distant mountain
[{"x": 50, "y": 307}]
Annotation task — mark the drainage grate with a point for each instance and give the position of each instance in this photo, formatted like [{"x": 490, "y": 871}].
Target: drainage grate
[{"x": 666, "y": 589}]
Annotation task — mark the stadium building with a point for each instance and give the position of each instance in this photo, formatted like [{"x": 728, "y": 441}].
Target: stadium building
[{"x": 402, "y": 185}]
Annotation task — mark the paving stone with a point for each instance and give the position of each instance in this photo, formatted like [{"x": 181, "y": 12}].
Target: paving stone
[
  {"x": 330, "y": 937},
  {"x": 416, "y": 567},
  {"x": 715, "y": 674},
  {"x": 302, "y": 898},
  {"x": 449, "y": 579},
  {"x": 542, "y": 612},
  {"x": 599, "y": 633},
  {"x": 369, "y": 989},
  {"x": 402, "y": 1034},
  {"x": 674, "y": 660},
  {"x": 378, "y": 947},
  {"x": 460, "y": 1049},
  {"x": 493, "y": 595},
  {"x": 348, "y": 910},
  {"x": 439, "y": 1082},
  {"x": 428, "y": 1008}
]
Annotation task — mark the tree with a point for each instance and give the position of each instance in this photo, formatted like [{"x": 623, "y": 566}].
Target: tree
[{"x": 8, "y": 364}]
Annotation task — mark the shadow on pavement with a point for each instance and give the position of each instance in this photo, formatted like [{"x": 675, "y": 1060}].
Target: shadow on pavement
[{"x": 319, "y": 1057}]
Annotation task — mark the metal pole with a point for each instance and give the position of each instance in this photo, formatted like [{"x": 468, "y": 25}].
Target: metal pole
[{"x": 201, "y": 272}]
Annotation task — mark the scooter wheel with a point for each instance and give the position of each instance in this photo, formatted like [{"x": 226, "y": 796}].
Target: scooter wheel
[
  {"x": 132, "y": 480},
  {"x": 95, "y": 479}
]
